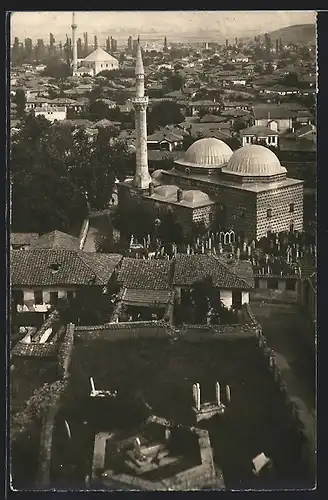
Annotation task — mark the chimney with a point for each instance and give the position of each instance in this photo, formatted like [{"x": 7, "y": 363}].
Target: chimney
[
  {"x": 179, "y": 195},
  {"x": 151, "y": 189}
]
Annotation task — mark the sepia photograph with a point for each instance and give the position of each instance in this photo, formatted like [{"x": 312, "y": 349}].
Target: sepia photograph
[{"x": 163, "y": 250}]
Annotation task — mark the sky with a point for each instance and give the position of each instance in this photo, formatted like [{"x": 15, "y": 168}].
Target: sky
[{"x": 123, "y": 23}]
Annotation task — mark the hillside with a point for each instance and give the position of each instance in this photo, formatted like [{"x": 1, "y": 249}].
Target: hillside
[{"x": 299, "y": 33}]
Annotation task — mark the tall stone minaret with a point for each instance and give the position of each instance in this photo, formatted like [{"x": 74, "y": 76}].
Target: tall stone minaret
[
  {"x": 74, "y": 43},
  {"x": 140, "y": 103}
]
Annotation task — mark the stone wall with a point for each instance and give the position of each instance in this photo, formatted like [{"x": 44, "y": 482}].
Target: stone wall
[
  {"x": 279, "y": 201},
  {"x": 65, "y": 352},
  {"x": 240, "y": 210},
  {"x": 303, "y": 429}
]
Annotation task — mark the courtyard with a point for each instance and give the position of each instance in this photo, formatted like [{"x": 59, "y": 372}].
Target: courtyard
[{"x": 157, "y": 376}]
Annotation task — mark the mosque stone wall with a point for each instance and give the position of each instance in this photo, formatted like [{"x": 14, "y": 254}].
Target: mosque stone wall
[
  {"x": 279, "y": 201},
  {"x": 239, "y": 210}
]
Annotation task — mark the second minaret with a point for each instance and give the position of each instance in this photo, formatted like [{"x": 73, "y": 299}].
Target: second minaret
[
  {"x": 140, "y": 103},
  {"x": 74, "y": 43}
]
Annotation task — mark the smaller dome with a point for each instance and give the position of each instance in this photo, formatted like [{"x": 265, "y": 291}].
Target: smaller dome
[
  {"x": 208, "y": 153},
  {"x": 166, "y": 191},
  {"x": 195, "y": 196},
  {"x": 254, "y": 160},
  {"x": 157, "y": 177}
]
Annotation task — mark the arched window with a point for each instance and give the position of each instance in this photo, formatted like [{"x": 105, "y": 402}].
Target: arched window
[{"x": 269, "y": 213}]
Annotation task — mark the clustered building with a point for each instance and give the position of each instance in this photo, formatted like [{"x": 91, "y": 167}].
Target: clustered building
[{"x": 247, "y": 190}]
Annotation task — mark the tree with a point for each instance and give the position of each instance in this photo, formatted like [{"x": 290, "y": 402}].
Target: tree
[
  {"x": 57, "y": 174},
  {"x": 20, "y": 100},
  {"x": 57, "y": 68},
  {"x": 165, "y": 113},
  {"x": 174, "y": 82},
  {"x": 97, "y": 110},
  {"x": 234, "y": 142},
  {"x": 239, "y": 125},
  {"x": 136, "y": 220},
  {"x": 187, "y": 141},
  {"x": 291, "y": 79}
]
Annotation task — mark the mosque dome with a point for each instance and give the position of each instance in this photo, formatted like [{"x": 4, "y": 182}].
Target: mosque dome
[
  {"x": 195, "y": 196},
  {"x": 166, "y": 191},
  {"x": 254, "y": 160},
  {"x": 157, "y": 177},
  {"x": 208, "y": 152}
]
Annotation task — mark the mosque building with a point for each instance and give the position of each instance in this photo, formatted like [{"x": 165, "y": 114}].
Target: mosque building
[
  {"x": 96, "y": 62},
  {"x": 246, "y": 191}
]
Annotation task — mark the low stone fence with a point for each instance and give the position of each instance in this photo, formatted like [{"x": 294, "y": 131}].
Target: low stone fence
[{"x": 114, "y": 332}]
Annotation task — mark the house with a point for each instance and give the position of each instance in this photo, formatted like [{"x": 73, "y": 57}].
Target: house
[
  {"x": 258, "y": 134},
  {"x": 56, "y": 239},
  {"x": 233, "y": 279},
  {"x": 111, "y": 104},
  {"x": 209, "y": 106},
  {"x": 68, "y": 103},
  {"x": 207, "y": 129},
  {"x": 146, "y": 287},
  {"x": 40, "y": 67},
  {"x": 239, "y": 58},
  {"x": 165, "y": 139},
  {"x": 22, "y": 241},
  {"x": 52, "y": 114},
  {"x": 42, "y": 275},
  {"x": 83, "y": 70},
  {"x": 36, "y": 102},
  {"x": 279, "y": 117}
]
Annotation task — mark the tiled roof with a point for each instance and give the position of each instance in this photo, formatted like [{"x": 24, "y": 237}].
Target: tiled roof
[
  {"x": 37, "y": 267},
  {"x": 235, "y": 112},
  {"x": 274, "y": 111},
  {"x": 82, "y": 69},
  {"x": 145, "y": 274},
  {"x": 166, "y": 135},
  {"x": 192, "y": 268},
  {"x": 212, "y": 119},
  {"x": 23, "y": 238},
  {"x": 161, "y": 155},
  {"x": 57, "y": 239},
  {"x": 258, "y": 130},
  {"x": 105, "y": 123},
  {"x": 146, "y": 296}
]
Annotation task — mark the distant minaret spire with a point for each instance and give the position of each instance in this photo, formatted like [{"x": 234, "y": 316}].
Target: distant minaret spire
[
  {"x": 140, "y": 103},
  {"x": 74, "y": 43}
]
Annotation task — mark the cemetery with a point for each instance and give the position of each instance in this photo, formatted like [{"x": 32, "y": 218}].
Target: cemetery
[{"x": 214, "y": 385}]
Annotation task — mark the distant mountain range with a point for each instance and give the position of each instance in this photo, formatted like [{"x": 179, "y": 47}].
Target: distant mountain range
[{"x": 298, "y": 33}]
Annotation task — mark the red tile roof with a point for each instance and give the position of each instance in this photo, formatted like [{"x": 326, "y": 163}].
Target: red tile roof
[
  {"x": 145, "y": 274},
  {"x": 192, "y": 268},
  {"x": 133, "y": 296},
  {"x": 23, "y": 238},
  {"x": 36, "y": 267},
  {"x": 57, "y": 239}
]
